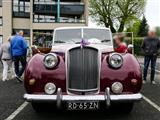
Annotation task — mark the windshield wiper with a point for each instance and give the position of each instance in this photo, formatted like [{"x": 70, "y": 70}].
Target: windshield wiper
[
  {"x": 77, "y": 42},
  {"x": 105, "y": 40},
  {"x": 59, "y": 41}
]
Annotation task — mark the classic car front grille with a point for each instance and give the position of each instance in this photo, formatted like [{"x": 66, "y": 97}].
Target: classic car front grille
[{"x": 83, "y": 69}]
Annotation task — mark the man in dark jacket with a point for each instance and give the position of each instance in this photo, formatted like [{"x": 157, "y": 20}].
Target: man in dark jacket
[
  {"x": 150, "y": 47},
  {"x": 18, "y": 52}
]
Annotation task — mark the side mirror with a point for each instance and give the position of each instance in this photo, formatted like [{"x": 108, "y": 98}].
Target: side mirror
[
  {"x": 35, "y": 50},
  {"x": 130, "y": 48}
]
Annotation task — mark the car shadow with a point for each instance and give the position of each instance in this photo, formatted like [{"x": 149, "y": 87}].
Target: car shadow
[{"x": 83, "y": 115}]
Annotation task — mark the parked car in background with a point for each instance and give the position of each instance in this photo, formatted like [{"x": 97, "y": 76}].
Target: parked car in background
[{"x": 82, "y": 72}]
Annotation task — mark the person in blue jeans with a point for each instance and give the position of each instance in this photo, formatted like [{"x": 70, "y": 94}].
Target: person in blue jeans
[
  {"x": 19, "y": 52},
  {"x": 150, "y": 47}
]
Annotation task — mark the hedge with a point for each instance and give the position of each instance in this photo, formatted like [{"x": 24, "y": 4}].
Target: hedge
[
  {"x": 137, "y": 42},
  {"x": 137, "y": 46}
]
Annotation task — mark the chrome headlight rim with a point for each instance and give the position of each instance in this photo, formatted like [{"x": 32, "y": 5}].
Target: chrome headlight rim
[
  {"x": 111, "y": 58},
  {"x": 114, "y": 87},
  {"x": 50, "y": 88},
  {"x": 56, "y": 60}
]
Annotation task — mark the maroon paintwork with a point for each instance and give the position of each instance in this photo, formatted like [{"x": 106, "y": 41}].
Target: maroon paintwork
[{"x": 36, "y": 70}]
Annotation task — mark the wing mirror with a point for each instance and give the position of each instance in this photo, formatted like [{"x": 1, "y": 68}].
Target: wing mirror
[{"x": 130, "y": 48}]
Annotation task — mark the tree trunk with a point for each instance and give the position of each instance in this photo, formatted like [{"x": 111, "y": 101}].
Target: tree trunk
[
  {"x": 121, "y": 27},
  {"x": 113, "y": 30}
]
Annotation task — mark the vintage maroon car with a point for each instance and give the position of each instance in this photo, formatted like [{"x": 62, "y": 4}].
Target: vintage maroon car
[{"x": 82, "y": 72}]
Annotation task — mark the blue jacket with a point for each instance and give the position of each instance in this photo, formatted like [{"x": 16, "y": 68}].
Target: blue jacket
[{"x": 18, "y": 46}]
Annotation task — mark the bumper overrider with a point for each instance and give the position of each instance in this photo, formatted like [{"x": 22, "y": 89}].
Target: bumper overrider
[{"x": 59, "y": 98}]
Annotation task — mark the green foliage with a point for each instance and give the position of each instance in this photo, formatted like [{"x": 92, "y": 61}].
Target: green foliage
[
  {"x": 134, "y": 28},
  {"x": 137, "y": 46},
  {"x": 116, "y": 14},
  {"x": 158, "y": 31},
  {"x": 143, "y": 28},
  {"x": 137, "y": 42}
]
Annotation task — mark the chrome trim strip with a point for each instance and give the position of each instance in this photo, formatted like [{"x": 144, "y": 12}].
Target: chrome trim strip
[
  {"x": 127, "y": 97},
  {"x": 131, "y": 97},
  {"x": 79, "y": 90}
]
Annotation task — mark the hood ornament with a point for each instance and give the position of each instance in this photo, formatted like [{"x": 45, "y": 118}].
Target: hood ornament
[{"x": 84, "y": 43}]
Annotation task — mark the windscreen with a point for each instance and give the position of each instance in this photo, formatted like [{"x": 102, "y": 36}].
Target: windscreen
[{"x": 90, "y": 35}]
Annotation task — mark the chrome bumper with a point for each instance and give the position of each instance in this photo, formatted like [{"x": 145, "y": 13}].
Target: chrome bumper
[{"x": 103, "y": 98}]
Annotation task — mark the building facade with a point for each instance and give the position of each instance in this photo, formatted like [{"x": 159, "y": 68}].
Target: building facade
[{"x": 39, "y": 18}]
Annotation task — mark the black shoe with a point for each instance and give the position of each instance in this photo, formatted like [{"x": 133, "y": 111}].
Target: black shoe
[{"x": 19, "y": 79}]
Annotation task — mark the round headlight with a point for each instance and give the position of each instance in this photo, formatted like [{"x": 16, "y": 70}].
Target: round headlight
[
  {"x": 117, "y": 87},
  {"x": 50, "y": 88},
  {"x": 50, "y": 61},
  {"x": 115, "y": 60}
]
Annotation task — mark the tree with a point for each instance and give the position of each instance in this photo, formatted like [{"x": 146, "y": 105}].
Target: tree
[
  {"x": 143, "y": 28},
  {"x": 134, "y": 27},
  {"x": 116, "y": 13},
  {"x": 158, "y": 31}
]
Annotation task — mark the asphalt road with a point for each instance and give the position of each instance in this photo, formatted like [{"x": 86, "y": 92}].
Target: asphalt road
[{"x": 11, "y": 98}]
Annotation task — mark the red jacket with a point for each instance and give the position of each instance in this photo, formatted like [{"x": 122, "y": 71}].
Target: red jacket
[{"x": 122, "y": 48}]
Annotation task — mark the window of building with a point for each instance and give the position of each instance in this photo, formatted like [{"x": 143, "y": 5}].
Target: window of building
[
  {"x": 0, "y": 3},
  {"x": 43, "y": 38},
  {"x": 26, "y": 32},
  {"x": 44, "y": 1},
  {"x": 1, "y": 39},
  {"x": 43, "y": 19},
  {"x": 21, "y": 8},
  {"x": 48, "y": 13},
  {"x": 1, "y": 21}
]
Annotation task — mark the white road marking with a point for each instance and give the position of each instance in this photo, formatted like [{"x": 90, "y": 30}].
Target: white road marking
[
  {"x": 17, "y": 111},
  {"x": 151, "y": 103},
  {"x": 157, "y": 71}
]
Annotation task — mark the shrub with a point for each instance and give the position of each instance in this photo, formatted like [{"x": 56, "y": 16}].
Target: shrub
[
  {"x": 137, "y": 42},
  {"x": 137, "y": 46}
]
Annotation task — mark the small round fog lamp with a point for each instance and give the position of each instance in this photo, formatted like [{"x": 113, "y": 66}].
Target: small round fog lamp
[
  {"x": 50, "y": 88},
  {"x": 117, "y": 87}
]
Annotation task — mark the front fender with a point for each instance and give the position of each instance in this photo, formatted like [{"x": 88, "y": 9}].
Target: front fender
[
  {"x": 36, "y": 70},
  {"x": 129, "y": 70}
]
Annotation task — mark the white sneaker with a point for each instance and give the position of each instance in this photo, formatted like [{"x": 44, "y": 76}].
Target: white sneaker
[
  {"x": 5, "y": 80},
  {"x": 153, "y": 82},
  {"x": 144, "y": 82}
]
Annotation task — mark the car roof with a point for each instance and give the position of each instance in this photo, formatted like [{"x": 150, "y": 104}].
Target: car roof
[{"x": 62, "y": 28}]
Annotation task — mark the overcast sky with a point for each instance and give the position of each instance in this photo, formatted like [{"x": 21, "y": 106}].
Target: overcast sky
[{"x": 152, "y": 13}]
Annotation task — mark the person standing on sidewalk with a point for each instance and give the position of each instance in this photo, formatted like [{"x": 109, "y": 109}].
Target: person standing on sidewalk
[
  {"x": 150, "y": 47},
  {"x": 6, "y": 59},
  {"x": 19, "y": 52}
]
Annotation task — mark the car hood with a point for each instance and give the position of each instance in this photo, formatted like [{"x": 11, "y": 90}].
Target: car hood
[{"x": 65, "y": 47}]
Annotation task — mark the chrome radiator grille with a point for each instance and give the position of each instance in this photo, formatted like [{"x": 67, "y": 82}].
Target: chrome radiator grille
[{"x": 83, "y": 69}]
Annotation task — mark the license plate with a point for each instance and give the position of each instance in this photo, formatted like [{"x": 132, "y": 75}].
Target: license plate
[{"x": 83, "y": 105}]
